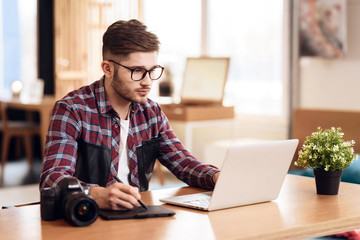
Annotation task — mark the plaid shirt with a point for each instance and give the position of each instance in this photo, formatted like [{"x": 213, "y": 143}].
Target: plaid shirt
[{"x": 86, "y": 114}]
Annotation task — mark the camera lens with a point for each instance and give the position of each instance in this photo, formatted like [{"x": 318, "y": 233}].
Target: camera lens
[
  {"x": 84, "y": 211},
  {"x": 80, "y": 209}
]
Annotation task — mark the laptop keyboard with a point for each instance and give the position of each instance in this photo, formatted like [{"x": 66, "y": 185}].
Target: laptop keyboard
[{"x": 202, "y": 202}]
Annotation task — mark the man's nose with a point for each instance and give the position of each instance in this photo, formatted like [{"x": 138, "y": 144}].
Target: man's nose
[{"x": 146, "y": 81}]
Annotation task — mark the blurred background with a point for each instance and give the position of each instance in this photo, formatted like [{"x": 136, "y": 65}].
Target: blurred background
[{"x": 283, "y": 55}]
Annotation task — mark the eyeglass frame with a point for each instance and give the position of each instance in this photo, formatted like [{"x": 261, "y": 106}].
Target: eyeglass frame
[{"x": 146, "y": 71}]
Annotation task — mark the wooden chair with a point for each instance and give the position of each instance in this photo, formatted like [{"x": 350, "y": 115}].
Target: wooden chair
[{"x": 12, "y": 128}]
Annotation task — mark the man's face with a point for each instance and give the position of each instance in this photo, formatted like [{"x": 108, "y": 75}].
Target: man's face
[{"x": 124, "y": 86}]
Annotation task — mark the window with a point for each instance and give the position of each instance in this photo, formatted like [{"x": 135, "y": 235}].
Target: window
[
  {"x": 252, "y": 36},
  {"x": 249, "y": 32},
  {"x": 178, "y": 26},
  {"x": 18, "y": 60}
]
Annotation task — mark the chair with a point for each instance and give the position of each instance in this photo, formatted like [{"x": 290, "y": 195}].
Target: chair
[{"x": 12, "y": 128}]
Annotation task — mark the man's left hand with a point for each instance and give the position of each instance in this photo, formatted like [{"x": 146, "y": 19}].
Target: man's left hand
[{"x": 215, "y": 177}]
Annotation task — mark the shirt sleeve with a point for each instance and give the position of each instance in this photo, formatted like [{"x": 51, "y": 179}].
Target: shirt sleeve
[
  {"x": 180, "y": 162},
  {"x": 61, "y": 145}
]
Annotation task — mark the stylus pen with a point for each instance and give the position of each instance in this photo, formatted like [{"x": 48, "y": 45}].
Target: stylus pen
[{"x": 141, "y": 203}]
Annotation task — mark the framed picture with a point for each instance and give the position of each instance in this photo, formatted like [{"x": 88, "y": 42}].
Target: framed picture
[
  {"x": 204, "y": 80},
  {"x": 323, "y": 28}
]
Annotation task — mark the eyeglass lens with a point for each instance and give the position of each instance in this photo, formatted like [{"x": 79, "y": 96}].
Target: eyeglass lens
[{"x": 139, "y": 73}]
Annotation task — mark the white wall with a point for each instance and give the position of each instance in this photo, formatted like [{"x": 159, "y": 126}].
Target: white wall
[
  {"x": 323, "y": 83},
  {"x": 334, "y": 83}
]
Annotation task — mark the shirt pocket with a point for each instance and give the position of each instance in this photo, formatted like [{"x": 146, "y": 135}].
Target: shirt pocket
[
  {"x": 147, "y": 153},
  {"x": 93, "y": 163}
]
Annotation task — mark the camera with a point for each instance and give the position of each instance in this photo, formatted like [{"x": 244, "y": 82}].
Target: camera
[{"x": 69, "y": 200}]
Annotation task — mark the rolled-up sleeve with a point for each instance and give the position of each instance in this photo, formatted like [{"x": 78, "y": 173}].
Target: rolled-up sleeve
[
  {"x": 180, "y": 162},
  {"x": 61, "y": 145}
]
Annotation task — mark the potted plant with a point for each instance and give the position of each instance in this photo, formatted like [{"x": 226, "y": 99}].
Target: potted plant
[{"x": 328, "y": 155}]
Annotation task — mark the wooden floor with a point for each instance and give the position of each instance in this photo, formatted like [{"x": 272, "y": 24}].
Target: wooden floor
[
  {"x": 20, "y": 183},
  {"x": 18, "y": 173}
]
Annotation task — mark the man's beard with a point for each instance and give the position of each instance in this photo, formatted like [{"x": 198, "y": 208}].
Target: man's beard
[{"x": 125, "y": 92}]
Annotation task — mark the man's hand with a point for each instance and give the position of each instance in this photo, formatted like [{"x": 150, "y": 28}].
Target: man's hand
[
  {"x": 215, "y": 177},
  {"x": 118, "y": 196}
]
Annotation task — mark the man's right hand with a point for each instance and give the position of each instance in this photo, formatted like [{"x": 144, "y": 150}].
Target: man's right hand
[{"x": 118, "y": 196}]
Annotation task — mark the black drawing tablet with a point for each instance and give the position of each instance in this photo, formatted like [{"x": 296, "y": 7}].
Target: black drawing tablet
[{"x": 137, "y": 212}]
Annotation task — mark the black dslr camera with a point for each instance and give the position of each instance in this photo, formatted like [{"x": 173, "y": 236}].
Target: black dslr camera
[{"x": 69, "y": 200}]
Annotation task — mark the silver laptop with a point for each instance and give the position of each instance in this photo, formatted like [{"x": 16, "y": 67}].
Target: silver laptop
[{"x": 251, "y": 173}]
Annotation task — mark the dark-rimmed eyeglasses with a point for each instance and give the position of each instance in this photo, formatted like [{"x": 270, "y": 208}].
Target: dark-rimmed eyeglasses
[{"x": 138, "y": 73}]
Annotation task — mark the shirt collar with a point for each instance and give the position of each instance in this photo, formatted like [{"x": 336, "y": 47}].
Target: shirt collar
[{"x": 103, "y": 101}]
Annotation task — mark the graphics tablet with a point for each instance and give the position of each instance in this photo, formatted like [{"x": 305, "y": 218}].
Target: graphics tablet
[{"x": 137, "y": 212}]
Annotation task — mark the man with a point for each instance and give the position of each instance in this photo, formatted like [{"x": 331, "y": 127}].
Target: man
[{"x": 110, "y": 128}]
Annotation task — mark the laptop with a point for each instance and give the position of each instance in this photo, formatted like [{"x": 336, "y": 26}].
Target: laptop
[{"x": 251, "y": 173}]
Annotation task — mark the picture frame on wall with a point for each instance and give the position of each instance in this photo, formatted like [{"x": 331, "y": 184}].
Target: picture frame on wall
[
  {"x": 211, "y": 72},
  {"x": 323, "y": 28}
]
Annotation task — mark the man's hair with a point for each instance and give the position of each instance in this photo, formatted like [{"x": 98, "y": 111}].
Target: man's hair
[{"x": 125, "y": 37}]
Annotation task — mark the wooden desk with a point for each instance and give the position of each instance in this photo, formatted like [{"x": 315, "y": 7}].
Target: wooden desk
[
  {"x": 298, "y": 213},
  {"x": 44, "y": 107}
]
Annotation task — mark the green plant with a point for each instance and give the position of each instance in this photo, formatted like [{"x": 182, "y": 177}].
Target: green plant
[{"x": 326, "y": 149}]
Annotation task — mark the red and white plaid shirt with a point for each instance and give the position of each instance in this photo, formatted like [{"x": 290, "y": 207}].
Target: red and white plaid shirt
[{"x": 86, "y": 114}]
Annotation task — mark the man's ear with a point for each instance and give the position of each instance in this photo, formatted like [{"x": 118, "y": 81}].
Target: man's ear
[{"x": 107, "y": 69}]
